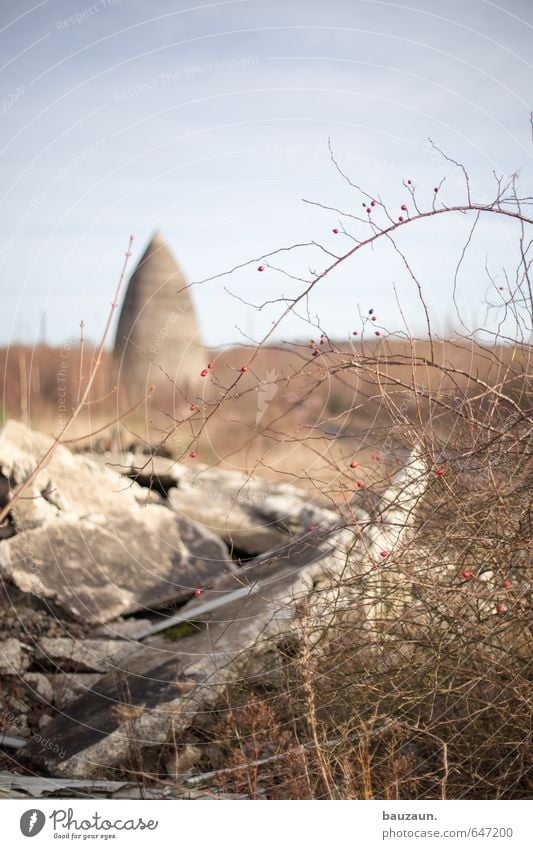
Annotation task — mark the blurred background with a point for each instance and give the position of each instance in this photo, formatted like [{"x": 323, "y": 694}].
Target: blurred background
[{"x": 210, "y": 122}]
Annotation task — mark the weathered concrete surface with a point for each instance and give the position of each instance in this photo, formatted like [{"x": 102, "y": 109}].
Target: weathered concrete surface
[
  {"x": 251, "y": 514},
  {"x": 39, "y": 687},
  {"x": 141, "y": 559},
  {"x": 97, "y": 551},
  {"x": 70, "y": 483}
]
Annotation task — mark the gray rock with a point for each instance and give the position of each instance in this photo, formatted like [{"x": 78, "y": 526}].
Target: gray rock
[
  {"x": 39, "y": 687},
  {"x": 98, "y": 570},
  {"x": 14, "y": 658},
  {"x": 69, "y": 484},
  {"x": 123, "y": 629},
  {"x": 72, "y": 655},
  {"x": 96, "y": 552},
  {"x": 250, "y": 514}
]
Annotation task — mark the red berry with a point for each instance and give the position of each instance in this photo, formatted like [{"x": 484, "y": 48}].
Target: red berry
[
  {"x": 374, "y": 318},
  {"x": 360, "y": 484},
  {"x": 400, "y": 219},
  {"x": 436, "y": 189},
  {"x": 373, "y": 203},
  {"x": 404, "y": 207},
  {"x": 506, "y": 584},
  {"x": 322, "y": 341},
  {"x": 204, "y": 372},
  {"x": 209, "y": 365},
  {"x": 193, "y": 454},
  {"x": 440, "y": 472},
  {"x": 260, "y": 267},
  {"x": 197, "y": 593},
  {"x": 353, "y": 464},
  {"x": 355, "y": 333},
  {"x": 383, "y": 553},
  {"x": 192, "y": 408},
  {"x": 502, "y": 608},
  {"x": 312, "y": 527},
  {"x": 467, "y": 574},
  {"x": 377, "y": 333},
  {"x": 500, "y": 288},
  {"x": 335, "y": 230},
  {"x": 409, "y": 182},
  {"x": 244, "y": 368},
  {"x": 368, "y": 209}
]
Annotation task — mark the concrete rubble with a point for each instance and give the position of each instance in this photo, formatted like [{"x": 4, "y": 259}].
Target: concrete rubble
[{"x": 94, "y": 552}]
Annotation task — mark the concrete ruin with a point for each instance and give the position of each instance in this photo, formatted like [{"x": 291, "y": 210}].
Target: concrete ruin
[{"x": 158, "y": 339}]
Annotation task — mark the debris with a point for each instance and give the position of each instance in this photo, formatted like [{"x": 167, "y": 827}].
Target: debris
[
  {"x": 250, "y": 514},
  {"x": 80, "y": 655},
  {"x": 100, "y": 554},
  {"x": 13, "y": 657}
]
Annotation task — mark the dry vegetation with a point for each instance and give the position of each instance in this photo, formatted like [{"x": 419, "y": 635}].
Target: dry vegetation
[{"x": 416, "y": 681}]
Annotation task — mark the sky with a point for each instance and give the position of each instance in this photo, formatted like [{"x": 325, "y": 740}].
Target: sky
[{"x": 210, "y": 122}]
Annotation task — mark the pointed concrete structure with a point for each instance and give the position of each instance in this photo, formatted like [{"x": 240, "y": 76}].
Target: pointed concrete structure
[{"x": 157, "y": 327}]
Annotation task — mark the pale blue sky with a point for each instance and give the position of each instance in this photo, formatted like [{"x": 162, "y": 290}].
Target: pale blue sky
[{"x": 209, "y": 121}]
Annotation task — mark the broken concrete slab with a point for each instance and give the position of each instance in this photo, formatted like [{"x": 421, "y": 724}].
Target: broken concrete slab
[
  {"x": 84, "y": 543},
  {"x": 138, "y": 559},
  {"x": 250, "y": 514},
  {"x": 39, "y": 687},
  {"x": 71, "y": 655},
  {"x": 14, "y": 657}
]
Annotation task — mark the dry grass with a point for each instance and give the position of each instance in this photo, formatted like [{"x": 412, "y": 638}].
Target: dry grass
[{"x": 319, "y": 412}]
